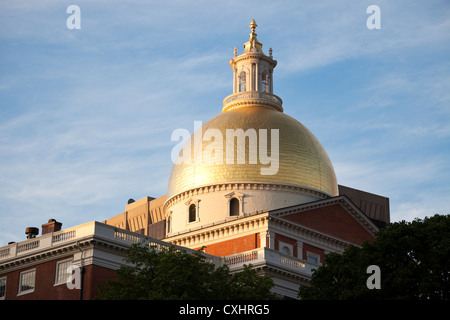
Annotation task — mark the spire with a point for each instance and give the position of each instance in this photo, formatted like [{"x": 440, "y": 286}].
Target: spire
[
  {"x": 253, "y": 26},
  {"x": 253, "y": 45}
]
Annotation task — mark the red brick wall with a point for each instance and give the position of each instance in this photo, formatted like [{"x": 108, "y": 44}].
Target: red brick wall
[
  {"x": 45, "y": 280},
  {"x": 44, "y": 284},
  {"x": 333, "y": 220},
  {"x": 237, "y": 245},
  {"x": 93, "y": 276}
]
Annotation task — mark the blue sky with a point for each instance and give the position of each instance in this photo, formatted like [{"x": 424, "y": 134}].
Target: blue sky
[{"x": 86, "y": 115}]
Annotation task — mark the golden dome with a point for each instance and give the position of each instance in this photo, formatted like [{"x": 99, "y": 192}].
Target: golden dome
[{"x": 303, "y": 162}]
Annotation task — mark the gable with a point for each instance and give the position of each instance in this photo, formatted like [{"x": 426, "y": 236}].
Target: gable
[{"x": 333, "y": 220}]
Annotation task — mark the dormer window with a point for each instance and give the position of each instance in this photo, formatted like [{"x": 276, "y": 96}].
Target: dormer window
[{"x": 242, "y": 82}]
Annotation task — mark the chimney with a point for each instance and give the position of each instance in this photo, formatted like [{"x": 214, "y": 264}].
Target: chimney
[
  {"x": 51, "y": 226},
  {"x": 31, "y": 232}
]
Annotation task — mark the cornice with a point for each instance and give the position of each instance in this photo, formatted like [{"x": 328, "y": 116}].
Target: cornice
[
  {"x": 220, "y": 230},
  {"x": 252, "y": 102},
  {"x": 35, "y": 257},
  {"x": 241, "y": 186}
]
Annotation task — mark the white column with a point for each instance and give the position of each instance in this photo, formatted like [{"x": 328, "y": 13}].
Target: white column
[
  {"x": 257, "y": 77},
  {"x": 299, "y": 249},
  {"x": 268, "y": 239}
]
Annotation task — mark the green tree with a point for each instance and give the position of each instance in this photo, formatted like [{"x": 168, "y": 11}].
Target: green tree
[
  {"x": 175, "y": 274},
  {"x": 413, "y": 257}
]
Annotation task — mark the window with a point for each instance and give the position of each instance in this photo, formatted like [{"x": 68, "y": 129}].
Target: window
[
  {"x": 286, "y": 250},
  {"x": 27, "y": 281},
  {"x": 192, "y": 213},
  {"x": 2, "y": 288},
  {"x": 169, "y": 224},
  {"x": 234, "y": 207},
  {"x": 313, "y": 258},
  {"x": 242, "y": 82},
  {"x": 61, "y": 271},
  {"x": 265, "y": 82}
]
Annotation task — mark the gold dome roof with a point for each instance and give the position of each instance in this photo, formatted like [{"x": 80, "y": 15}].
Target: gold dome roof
[{"x": 303, "y": 162}]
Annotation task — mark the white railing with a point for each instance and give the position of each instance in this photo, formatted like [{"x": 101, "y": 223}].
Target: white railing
[
  {"x": 64, "y": 236},
  {"x": 266, "y": 256},
  {"x": 29, "y": 245},
  {"x": 53, "y": 239},
  {"x": 128, "y": 237},
  {"x": 4, "y": 252},
  {"x": 253, "y": 95},
  {"x": 93, "y": 229},
  {"x": 241, "y": 258},
  {"x": 292, "y": 261}
]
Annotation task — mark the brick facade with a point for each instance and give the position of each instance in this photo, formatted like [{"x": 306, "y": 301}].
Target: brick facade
[
  {"x": 333, "y": 220},
  {"x": 45, "y": 288},
  {"x": 233, "y": 246}
]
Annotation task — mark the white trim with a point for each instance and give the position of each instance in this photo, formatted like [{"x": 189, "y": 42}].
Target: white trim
[
  {"x": 239, "y": 196},
  {"x": 242, "y": 185},
  {"x": 21, "y": 275},
  {"x": 314, "y": 256},
  {"x": 188, "y": 203},
  {"x": 288, "y": 246},
  {"x": 3, "y": 278},
  {"x": 58, "y": 264},
  {"x": 300, "y": 249}
]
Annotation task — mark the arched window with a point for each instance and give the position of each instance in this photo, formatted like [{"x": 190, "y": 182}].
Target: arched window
[
  {"x": 265, "y": 82},
  {"x": 234, "y": 207},
  {"x": 192, "y": 213},
  {"x": 286, "y": 250},
  {"x": 169, "y": 224},
  {"x": 242, "y": 82}
]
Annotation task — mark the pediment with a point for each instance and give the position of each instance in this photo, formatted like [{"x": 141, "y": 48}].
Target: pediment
[
  {"x": 234, "y": 194},
  {"x": 337, "y": 217}
]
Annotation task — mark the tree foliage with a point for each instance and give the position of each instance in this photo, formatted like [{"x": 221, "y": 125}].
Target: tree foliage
[
  {"x": 172, "y": 274},
  {"x": 413, "y": 257}
]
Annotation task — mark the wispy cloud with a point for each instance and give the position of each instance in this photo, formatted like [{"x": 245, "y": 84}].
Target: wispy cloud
[{"x": 86, "y": 117}]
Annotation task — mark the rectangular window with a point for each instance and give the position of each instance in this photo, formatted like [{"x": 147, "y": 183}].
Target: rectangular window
[
  {"x": 313, "y": 257},
  {"x": 2, "y": 288},
  {"x": 61, "y": 271},
  {"x": 27, "y": 281}
]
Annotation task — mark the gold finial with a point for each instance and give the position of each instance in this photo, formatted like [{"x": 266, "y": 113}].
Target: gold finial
[
  {"x": 253, "y": 45},
  {"x": 235, "y": 52},
  {"x": 253, "y": 25}
]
